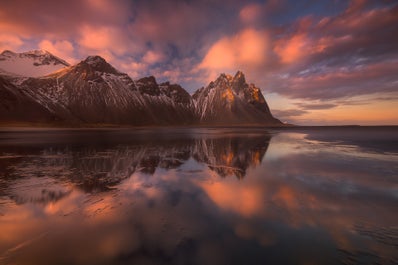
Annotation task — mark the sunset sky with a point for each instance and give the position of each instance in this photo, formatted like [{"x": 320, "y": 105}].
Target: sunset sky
[{"x": 317, "y": 62}]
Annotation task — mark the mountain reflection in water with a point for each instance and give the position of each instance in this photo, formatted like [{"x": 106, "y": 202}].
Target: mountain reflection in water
[
  {"x": 196, "y": 196},
  {"x": 95, "y": 165}
]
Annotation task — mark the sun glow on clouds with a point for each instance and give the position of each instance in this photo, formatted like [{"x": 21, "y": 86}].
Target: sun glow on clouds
[
  {"x": 9, "y": 42},
  {"x": 292, "y": 49},
  {"x": 152, "y": 57},
  {"x": 108, "y": 41},
  {"x": 299, "y": 54},
  {"x": 245, "y": 49},
  {"x": 365, "y": 110},
  {"x": 63, "y": 49}
]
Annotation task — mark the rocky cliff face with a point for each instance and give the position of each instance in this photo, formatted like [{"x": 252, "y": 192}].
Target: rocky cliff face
[
  {"x": 17, "y": 105},
  {"x": 230, "y": 100},
  {"x": 94, "y": 92},
  {"x": 167, "y": 103}
]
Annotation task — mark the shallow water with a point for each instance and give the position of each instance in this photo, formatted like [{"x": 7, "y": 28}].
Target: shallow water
[{"x": 199, "y": 196}]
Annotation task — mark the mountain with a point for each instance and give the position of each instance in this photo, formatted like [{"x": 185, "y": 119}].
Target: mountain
[
  {"x": 17, "y": 106},
  {"x": 90, "y": 92},
  {"x": 230, "y": 100},
  {"x": 31, "y": 64},
  {"x": 170, "y": 103},
  {"x": 94, "y": 92}
]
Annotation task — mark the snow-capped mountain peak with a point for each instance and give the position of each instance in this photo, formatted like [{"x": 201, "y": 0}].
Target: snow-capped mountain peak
[
  {"x": 8, "y": 53},
  {"x": 99, "y": 64},
  {"x": 95, "y": 60},
  {"x": 33, "y": 63},
  {"x": 38, "y": 52}
]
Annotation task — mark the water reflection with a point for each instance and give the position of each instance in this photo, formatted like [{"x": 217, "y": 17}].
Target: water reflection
[
  {"x": 194, "y": 196},
  {"x": 95, "y": 166}
]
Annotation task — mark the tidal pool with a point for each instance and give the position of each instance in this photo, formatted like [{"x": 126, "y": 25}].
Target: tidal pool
[{"x": 199, "y": 196}]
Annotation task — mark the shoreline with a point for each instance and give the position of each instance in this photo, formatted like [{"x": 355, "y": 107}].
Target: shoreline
[{"x": 30, "y": 127}]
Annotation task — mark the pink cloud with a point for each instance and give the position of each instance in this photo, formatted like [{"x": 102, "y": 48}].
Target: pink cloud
[
  {"x": 134, "y": 69},
  {"x": 355, "y": 6},
  {"x": 246, "y": 49},
  {"x": 60, "y": 18},
  {"x": 152, "y": 57},
  {"x": 173, "y": 75},
  {"x": 97, "y": 39},
  {"x": 360, "y": 21},
  {"x": 69, "y": 29},
  {"x": 63, "y": 49},
  {"x": 10, "y": 42},
  {"x": 292, "y": 49},
  {"x": 251, "y": 13},
  {"x": 342, "y": 82},
  {"x": 256, "y": 13}
]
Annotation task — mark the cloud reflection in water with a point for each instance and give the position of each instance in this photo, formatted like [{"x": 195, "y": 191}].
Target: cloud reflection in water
[{"x": 197, "y": 196}]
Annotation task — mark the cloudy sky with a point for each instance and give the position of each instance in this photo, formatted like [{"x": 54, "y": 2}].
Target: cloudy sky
[{"x": 317, "y": 62}]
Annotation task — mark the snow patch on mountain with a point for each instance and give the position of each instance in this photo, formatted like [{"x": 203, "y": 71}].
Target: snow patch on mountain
[{"x": 30, "y": 64}]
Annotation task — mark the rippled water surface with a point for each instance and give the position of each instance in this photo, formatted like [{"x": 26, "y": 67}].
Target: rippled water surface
[{"x": 199, "y": 196}]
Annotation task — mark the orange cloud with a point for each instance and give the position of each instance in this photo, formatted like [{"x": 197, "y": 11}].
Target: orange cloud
[
  {"x": 9, "y": 42},
  {"x": 104, "y": 41},
  {"x": 134, "y": 69},
  {"x": 152, "y": 57},
  {"x": 63, "y": 49},
  {"x": 247, "y": 48},
  {"x": 96, "y": 38},
  {"x": 173, "y": 76},
  {"x": 292, "y": 49}
]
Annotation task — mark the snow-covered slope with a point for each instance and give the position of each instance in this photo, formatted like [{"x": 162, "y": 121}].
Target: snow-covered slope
[
  {"x": 95, "y": 92},
  {"x": 230, "y": 100},
  {"x": 92, "y": 91},
  {"x": 31, "y": 64}
]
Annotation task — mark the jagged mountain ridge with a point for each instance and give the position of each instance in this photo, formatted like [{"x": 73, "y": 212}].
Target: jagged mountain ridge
[
  {"x": 230, "y": 100},
  {"x": 94, "y": 92}
]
